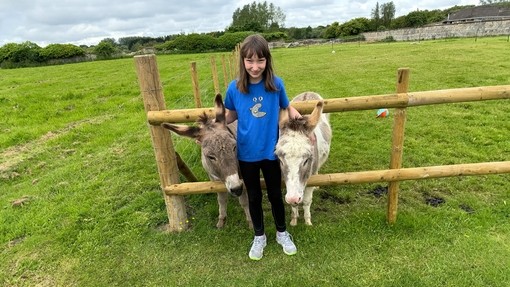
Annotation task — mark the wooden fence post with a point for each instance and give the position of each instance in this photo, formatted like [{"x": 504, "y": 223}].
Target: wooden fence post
[
  {"x": 153, "y": 99},
  {"x": 214, "y": 72},
  {"x": 196, "y": 87},
  {"x": 397, "y": 144},
  {"x": 231, "y": 66},
  {"x": 224, "y": 66},
  {"x": 235, "y": 60}
]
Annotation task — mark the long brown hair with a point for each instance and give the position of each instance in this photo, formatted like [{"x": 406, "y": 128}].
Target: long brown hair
[{"x": 255, "y": 44}]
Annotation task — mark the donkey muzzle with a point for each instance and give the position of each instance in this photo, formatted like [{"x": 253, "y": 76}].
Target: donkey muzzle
[{"x": 237, "y": 191}]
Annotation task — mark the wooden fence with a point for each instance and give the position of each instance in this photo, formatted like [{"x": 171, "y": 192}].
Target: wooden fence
[{"x": 169, "y": 162}]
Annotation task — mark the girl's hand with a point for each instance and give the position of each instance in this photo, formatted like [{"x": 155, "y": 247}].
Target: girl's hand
[{"x": 293, "y": 113}]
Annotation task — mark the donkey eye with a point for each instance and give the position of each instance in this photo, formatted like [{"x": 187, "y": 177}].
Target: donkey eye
[{"x": 211, "y": 157}]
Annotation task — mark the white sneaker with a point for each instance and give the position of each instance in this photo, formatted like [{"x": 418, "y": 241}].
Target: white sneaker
[
  {"x": 257, "y": 247},
  {"x": 285, "y": 240}
]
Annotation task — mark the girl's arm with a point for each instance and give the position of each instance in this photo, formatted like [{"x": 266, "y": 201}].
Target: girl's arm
[
  {"x": 230, "y": 116},
  {"x": 293, "y": 113}
]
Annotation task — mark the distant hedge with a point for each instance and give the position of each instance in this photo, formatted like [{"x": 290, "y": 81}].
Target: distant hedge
[
  {"x": 28, "y": 54},
  {"x": 197, "y": 43},
  {"x": 189, "y": 43},
  {"x": 61, "y": 51}
]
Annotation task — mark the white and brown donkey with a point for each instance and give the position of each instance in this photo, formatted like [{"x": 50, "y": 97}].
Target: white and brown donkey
[
  {"x": 219, "y": 155},
  {"x": 301, "y": 154}
]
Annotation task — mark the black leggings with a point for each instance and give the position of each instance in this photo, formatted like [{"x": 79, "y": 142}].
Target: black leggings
[{"x": 272, "y": 177}]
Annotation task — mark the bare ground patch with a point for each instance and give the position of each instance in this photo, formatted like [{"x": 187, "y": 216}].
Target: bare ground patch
[{"x": 15, "y": 155}]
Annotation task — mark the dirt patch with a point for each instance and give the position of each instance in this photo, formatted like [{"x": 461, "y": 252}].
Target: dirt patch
[
  {"x": 468, "y": 209},
  {"x": 13, "y": 156},
  {"x": 334, "y": 198},
  {"x": 434, "y": 201},
  {"x": 378, "y": 191}
]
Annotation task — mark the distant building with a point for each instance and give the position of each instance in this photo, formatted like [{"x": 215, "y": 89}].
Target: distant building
[{"x": 479, "y": 14}]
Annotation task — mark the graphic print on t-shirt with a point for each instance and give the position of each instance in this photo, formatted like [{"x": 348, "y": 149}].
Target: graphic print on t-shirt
[{"x": 257, "y": 106}]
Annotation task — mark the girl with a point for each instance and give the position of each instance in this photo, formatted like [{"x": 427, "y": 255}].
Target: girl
[{"x": 255, "y": 99}]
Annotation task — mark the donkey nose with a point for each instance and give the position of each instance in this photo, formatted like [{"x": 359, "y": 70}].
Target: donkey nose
[
  {"x": 237, "y": 191},
  {"x": 293, "y": 200}
]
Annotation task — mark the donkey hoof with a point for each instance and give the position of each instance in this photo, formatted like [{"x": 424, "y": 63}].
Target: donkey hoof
[
  {"x": 293, "y": 222},
  {"x": 220, "y": 223}
]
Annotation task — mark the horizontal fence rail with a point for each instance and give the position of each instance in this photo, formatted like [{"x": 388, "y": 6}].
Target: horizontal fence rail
[
  {"x": 387, "y": 175},
  {"x": 400, "y": 100}
]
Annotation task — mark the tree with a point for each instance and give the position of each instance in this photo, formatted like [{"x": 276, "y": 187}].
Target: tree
[
  {"x": 376, "y": 16},
  {"x": 105, "y": 48},
  {"x": 277, "y": 18},
  {"x": 382, "y": 15},
  {"x": 388, "y": 13},
  {"x": 332, "y": 31},
  {"x": 416, "y": 19},
  {"x": 355, "y": 27},
  {"x": 135, "y": 43},
  {"x": 399, "y": 22},
  {"x": 257, "y": 17}
]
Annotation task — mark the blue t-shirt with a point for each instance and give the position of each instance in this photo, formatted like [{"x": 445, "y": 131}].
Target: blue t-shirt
[{"x": 257, "y": 116}]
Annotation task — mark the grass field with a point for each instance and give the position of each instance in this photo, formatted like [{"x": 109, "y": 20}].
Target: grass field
[{"x": 80, "y": 202}]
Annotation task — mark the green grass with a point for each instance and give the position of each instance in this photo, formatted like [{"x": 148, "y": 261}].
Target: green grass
[{"x": 74, "y": 142}]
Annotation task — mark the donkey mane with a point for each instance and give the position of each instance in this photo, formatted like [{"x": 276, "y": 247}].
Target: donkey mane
[
  {"x": 205, "y": 120},
  {"x": 297, "y": 124}
]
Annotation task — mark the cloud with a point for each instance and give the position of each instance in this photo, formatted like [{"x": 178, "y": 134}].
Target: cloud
[{"x": 87, "y": 22}]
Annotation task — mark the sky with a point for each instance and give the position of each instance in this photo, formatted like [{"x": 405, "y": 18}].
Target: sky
[{"x": 88, "y": 22}]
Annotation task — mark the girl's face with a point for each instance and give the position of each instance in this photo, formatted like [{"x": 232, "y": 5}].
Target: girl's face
[{"x": 255, "y": 67}]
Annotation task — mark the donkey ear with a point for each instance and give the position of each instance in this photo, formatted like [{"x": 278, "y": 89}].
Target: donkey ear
[
  {"x": 183, "y": 130},
  {"x": 284, "y": 117},
  {"x": 219, "y": 109},
  {"x": 315, "y": 116}
]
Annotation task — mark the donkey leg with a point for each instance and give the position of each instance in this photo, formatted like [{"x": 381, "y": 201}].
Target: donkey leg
[
  {"x": 307, "y": 202},
  {"x": 243, "y": 200},
  {"x": 294, "y": 215},
  {"x": 222, "y": 203}
]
